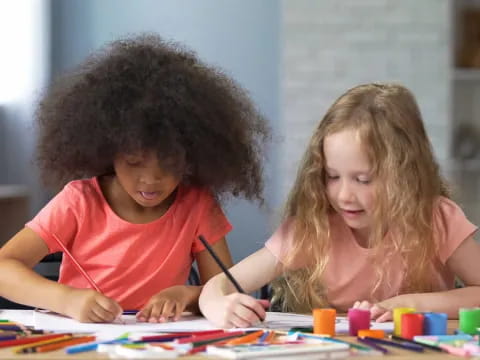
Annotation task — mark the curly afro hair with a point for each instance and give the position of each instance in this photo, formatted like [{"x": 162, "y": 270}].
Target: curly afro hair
[{"x": 144, "y": 93}]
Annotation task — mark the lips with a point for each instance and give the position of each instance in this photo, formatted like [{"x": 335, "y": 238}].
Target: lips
[
  {"x": 352, "y": 213},
  {"x": 149, "y": 195}
]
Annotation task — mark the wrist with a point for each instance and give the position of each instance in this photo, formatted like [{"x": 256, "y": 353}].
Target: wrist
[
  {"x": 62, "y": 297},
  {"x": 192, "y": 296}
]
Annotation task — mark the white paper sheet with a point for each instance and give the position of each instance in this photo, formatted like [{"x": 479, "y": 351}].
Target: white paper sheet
[{"x": 58, "y": 323}]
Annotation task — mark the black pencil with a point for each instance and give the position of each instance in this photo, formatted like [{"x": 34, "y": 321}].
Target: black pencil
[
  {"x": 428, "y": 346},
  {"x": 221, "y": 264},
  {"x": 224, "y": 269}
]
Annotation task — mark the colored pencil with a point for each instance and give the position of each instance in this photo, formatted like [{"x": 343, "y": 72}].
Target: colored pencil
[
  {"x": 63, "y": 344},
  {"x": 221, "y": 264},
  {"x": 29, "y": 348},
  {"x": 427, "y": 346},
  {"x": 76, "y": 264},
  {"x": 195, "y": 339},
  {"x": 402, "y": 345},
  {"x": 373, "y": 345},
  {"x": 248, "y": 338},
  {"x": 75, "y": 349},
  {"x": 9, "y": 337},
  {"x": 225, "y": 270},
  {"x": 29, "y": 340},
  {"x": 334, "y": 340},
  {"x": 130, "y": 312}
]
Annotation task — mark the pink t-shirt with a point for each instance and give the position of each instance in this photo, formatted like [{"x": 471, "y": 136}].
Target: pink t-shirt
[
  {"x": 129, "y": 262},
  {"x": 350, "y": 273}
]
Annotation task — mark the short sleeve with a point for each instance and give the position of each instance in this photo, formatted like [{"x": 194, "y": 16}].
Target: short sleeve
[
  {"x": 451, "y": 228},
  {"x": 59, "y": 217},
  {"x": 213, "y": 224},
  {"x": 280, "y": 243}
]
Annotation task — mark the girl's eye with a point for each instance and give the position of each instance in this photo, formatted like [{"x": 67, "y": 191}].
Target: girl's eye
[
  {"x": 332, "y": 177},
  {"x": 363, "y": 181}
]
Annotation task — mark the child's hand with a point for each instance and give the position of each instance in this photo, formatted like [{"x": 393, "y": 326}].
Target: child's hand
[
  {"x": 86, "y": 305},
  {"x": 378, "y": 312},
  {"x": 235, "y": 310},
  {"x": 168, "y": 304}
]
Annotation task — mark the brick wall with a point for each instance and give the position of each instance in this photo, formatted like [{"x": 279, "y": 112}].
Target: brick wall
[{"x": 332, "y": 45}]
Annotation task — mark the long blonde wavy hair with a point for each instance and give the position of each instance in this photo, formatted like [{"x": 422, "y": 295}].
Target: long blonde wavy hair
[{"x": 408, "y": 183}]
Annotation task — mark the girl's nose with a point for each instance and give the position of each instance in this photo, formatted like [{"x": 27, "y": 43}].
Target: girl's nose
[
  {"x": 150, "y": 177},
  {"x": 345, "y": 193}
]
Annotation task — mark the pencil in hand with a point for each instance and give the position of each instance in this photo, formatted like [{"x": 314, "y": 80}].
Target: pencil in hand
[
  {"x": 75, "y": 263},
  {"x": 224, "y": 269}
]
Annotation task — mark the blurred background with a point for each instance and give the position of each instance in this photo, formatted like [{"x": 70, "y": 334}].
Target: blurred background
[{"x": 295, "y": 57}]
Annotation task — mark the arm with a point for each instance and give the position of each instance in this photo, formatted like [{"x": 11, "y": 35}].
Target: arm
[
  {"x": 17, "y": 279},
  {"x": 222, "y": 305},
  {"x": 18, "y": 282},
  {"x": 171, "y": 302},
  {"x": 464, "y": 263}
]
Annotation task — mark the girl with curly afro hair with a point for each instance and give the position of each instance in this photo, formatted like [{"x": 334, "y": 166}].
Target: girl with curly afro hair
[{"x": 146, "y": 141}]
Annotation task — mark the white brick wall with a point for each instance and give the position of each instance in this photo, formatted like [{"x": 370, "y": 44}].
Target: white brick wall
[{"x": 332, "y": 45}]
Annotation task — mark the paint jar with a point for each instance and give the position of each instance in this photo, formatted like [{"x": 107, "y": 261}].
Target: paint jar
[{"x": 324, "y": 321}]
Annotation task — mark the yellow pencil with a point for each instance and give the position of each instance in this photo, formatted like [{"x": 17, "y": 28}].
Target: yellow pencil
[{"x": 26, "y": 348}]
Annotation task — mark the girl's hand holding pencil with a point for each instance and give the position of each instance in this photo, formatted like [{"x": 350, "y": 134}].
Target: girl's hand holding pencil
[
  {"x": 237, "y": 310},
  {"x": 87, "y": 305}
]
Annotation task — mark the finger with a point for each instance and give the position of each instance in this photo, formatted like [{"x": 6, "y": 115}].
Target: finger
[
  {"x": 254, "y": 306},
  {"x": 366, "y": 305},
  {"x": 94, "y": 318},
  {"x": 168, "y": 311},
  {"x": 110, "y": 306},
  {"x": 356, "y": 304},
  {"x": 247, "y": 315},
  {"x": 144, "y": 314},
  {"x": 376, "y": 311},
  {"x": 102, "y": 314},
  {"x": 387, "y": 316},
  {"x": 239, "y": 322},
  {"x": 265, "y": 303},
  {"x": 179, "y": 308},
  {"x": 156, "y": 312}
]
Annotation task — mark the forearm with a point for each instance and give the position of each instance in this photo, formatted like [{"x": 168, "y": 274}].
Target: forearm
[
  {"x": 215, "y": 288},
  {"x": 449, "y": 301},
  {"x": 21, "y": 284}
]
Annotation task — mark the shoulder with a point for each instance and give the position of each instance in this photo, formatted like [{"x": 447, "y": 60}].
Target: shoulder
[
  {"x": 446, "y": 212},
  {"x": 82, "y": 193},
  {"x": 450, "y": 227}
]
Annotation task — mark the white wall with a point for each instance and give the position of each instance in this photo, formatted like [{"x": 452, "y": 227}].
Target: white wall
[{"x": 24, "y": 70}]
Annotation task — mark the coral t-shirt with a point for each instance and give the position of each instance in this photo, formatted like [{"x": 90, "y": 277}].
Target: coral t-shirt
[
  {"x": 129, "y": 262},
  {"x": 350, "y": 273}
]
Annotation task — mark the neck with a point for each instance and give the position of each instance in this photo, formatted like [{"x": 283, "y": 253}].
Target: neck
[{"x": 361, "y": 236}]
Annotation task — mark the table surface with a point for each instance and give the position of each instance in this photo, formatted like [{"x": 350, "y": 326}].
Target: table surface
[{"x": 397, "y": 354}]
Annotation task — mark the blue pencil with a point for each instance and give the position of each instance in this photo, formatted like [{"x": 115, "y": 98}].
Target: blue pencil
[
  {"x": 92, "y": 346},
  {"x": 130, "y": 312}
]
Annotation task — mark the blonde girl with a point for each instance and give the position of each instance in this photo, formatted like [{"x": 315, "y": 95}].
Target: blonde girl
[{"x": 369, "y": 223}]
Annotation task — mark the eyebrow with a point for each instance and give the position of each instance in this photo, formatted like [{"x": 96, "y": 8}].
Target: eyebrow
[{"x": 364, "y": 172}]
